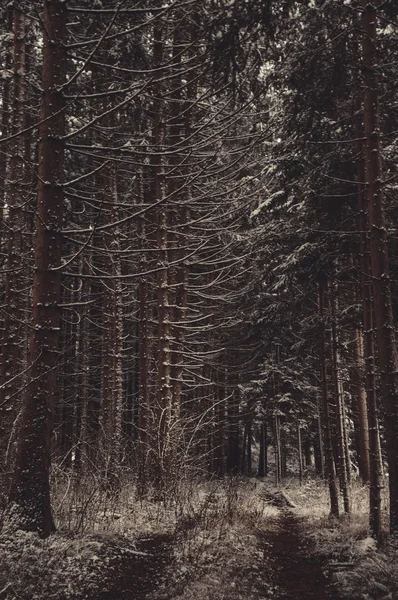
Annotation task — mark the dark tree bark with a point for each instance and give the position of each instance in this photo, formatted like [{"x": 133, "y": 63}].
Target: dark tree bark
[
  {"x": 112, "y": 350},
  {"x": 233, "y": 445},
  {"x": 11, "y": 367},
  {"x": 340, "y": 410},
  {"x": 5, "y": 112},
  {"x": 262, "y": 459},
  {"x": 381, "y": 285},
  {"x": 29, "y": 500},
  {"x": 307, "y": 450},
  {"x": 300, "y": 453},
  {"x": 362, "y": 413},
  {"x": 277, "y": 450},
  {"x": 219, "y": 441},
  {"x": 368, "y": 369},
  {"x": 144, "y": 351},
  {"x": 328, "y": 449}
]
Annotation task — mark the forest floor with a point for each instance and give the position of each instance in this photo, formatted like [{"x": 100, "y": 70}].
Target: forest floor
[
  {"x": 273, "y": 561},
  {"x": 300, "y": 576},
  {"x": 238, "y": 539},
  {"x": 284, "y": 568}
]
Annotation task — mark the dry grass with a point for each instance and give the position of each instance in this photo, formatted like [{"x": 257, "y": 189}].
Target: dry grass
[
  {"x": 215, "y": 526},
  {"x": 218, "y": 527},
  {"x": 222, "y": 556},
  {"x": 360, "y": 570}
]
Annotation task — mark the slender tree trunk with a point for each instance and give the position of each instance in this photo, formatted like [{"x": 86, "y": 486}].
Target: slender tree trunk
[
  {"x": 368, "y": 338},
  {"x": 384, "y": 320},
  {"x": 363, "y": 425},
  {"x": 328, "y": 449},
  {"x": 319, "y": 455},
  {"x": 300, "y": 453},
  {"x": 112, "y": 349},
  {"x": 340, "y": 412},
  {"x": 262, "y": 459},
  {"x": 249, "y": 447},
  {"x": 82, "y": 424},
  {"x": 307, "y": 450},
  {"x": 360, "y": 407},
  {"x": 283, "y": 451},
  {"x": 29, "y": 500},
  {"x": 278, "y": 451},
  {"x": 144, "y": 354},
  {"x": 233, "y": 454},
  {"x": 219, "y": 447}
]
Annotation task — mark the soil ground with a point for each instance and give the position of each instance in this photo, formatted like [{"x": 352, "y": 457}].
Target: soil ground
[
  {"x": 136, "y": 577},
  {"x": 289, "y": 567},
  {"x": 298, "y": 575}
]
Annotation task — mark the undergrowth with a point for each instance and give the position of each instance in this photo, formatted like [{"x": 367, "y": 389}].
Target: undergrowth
[
  {"x": 213, "y": 524},
  {"x": 360, "y": 568},
  {"x": 218, "y": 531}
]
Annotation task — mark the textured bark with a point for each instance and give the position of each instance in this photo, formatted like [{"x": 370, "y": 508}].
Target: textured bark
[
  {"x": 82, "y": 420},
  {"x": 361, "y": 405},
  {"x": 144, "y": 351},
  {"x": 368, "y": 337},
  {"x": 5, "y": 114},
  {"x": 381, "y": 285},
  {"x": 29, "y": 500},
  {"x": 12, "y": 364},
  {"x": 163, "y": 407},
  {"x": 328, "y": 449},
  {"x": 361, "y": 425},
  {"x": 112, "y": 349},
  {"x": 319, "y": 455},
  {"x": 340, "y": 409}
]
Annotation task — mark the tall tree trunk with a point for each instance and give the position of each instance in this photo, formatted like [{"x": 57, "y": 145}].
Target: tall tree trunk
[
  {"x": 319, "y": 455},
  {"x": 233, "y": 449},
  {"x": 144, "y": 351},
  {"x": 82, "y": 419},
  {"x": 368, "y": 336},
  {"x": 12, "y": 365},
  {"x": 384, "y": 320},
  {"x": 29, "y": 499},
  {"x": 340, "y": 411},
  {"x": 112, "y": 349},
  {"x": 328, "y": 449},
  {"x": 361, "y": 404},
  {"x": 163, "y": 386}
]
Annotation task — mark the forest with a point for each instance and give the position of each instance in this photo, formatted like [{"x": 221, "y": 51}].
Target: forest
[{"x": 198, "y": 299}]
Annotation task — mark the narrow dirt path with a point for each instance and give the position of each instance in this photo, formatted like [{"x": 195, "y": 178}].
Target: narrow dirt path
[
  {"x": 298, "y": 576},
  {"x": 137, "y": 576}
]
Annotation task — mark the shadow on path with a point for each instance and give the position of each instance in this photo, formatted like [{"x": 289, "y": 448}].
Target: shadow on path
[
  {"x": 298, "y": 575},
  {"x": 137, "y": 576}
]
